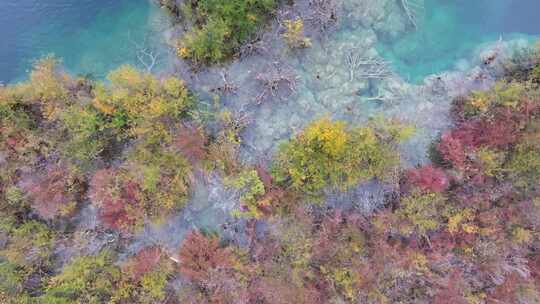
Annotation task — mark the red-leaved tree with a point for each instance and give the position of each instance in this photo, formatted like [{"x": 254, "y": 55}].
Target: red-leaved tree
[
  {"x": 117, "y": 199},
  {"x": 200, "y": 254},
  {"x": 54, "y": 192},
  {"x": 428, "y": 178},
  {"x": 191, "y": 142},
  {"x": 145, "y": 261},
  {"x": 213, "y": 268}
]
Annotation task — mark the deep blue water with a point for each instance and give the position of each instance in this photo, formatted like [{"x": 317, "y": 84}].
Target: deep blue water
[
  {"x": 91, "y": 36},
  {"x": 452, "y": 29}
]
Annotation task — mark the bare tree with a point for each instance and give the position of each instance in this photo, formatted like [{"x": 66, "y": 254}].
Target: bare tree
[
  {"x": 240, "y": 119},
  {"x": 278, "y": 81},
  {"x": 323, "y": 14},
  {"x": 366, "y": 67},
  {"x": 255, "y": 46},
  {"x": 414, "y": 9},
  {"x": 388, "y": 95},
  {"x": 227, "y": 87},
  {"x": 147, "y": 52}
]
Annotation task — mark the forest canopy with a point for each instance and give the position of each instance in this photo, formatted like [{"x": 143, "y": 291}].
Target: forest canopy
[{"x": 108, "y": 187}]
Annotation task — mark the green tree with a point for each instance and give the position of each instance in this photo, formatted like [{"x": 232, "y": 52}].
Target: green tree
[
  {"x": 87, "y": 279},
  {"x": 327, "y": 154},
  {"x": 220, "y": 27}
]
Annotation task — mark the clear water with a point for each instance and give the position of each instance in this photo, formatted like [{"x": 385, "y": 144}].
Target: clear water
[
  {"x": 90, "y": 36},
  {"x": 93, "y": 36},
  {"x": 452, "y": 29}
]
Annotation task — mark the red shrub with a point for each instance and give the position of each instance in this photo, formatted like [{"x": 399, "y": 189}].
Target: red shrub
[
  {"x": 191, "y": 141},
  {"x": 145, "y": 261},
  {"x": 214, "y": 269},
  {"x": 428, "y": 178},
  {"x": 280, "y": 291},
  {"x": 200, "y": 255},
  {"x": 452, "y": 149},
  {"x": 53, "y": 193},
  {"x": 534, "y": 265},
  {"x": 499, "y": 130},
  {"x": 117, "y": 200},
  {"x": 508, "y": 291},
  {"x": 452, "y": 291},
  {"x": 265, "y": 176}
]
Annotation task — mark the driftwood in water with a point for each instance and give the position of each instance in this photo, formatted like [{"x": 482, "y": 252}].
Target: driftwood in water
[
  {"x": 415, "y": 10},
  {"x": 366, "y": 67}
]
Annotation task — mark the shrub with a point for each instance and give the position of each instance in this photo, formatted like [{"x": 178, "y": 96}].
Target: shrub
[
  {"x": 144, "y": 278},
  {"x": 503, "y": 94},
  {"x": 85, "y": 128},
  {"x": 216, "y": 272},
  {"x": 118, "y": 200},
  {"x": 326, "y": 154},
  {"x": 11, "y": 282},
  {"x": 452, "y": 150},
  {"x": 53, "y": 193},
  {"x": 535, "y": 73},
  {"x": 491, "y": 161},
  {"x": 428, "y": 178},
  {"x": 294, "y": 34},
  {"x": 220, "y": 27},
  {"x": 162, "y": 174},
  {"x": 191, "y": 142},
  {"x": 29, "y": 246},
  {"x": 223, "y": 151},
  {"x": 139, "y": 105},
  {"x": 200, "y": 255},
  {"x": 252, "y": 188},
  {"x": 87, "y": 279},
  {"x": 524, "y": 165},
  {"x": 206, "y": 45},
  {"x": 151, "y": 184},
  {"x": 421, "y": 213},
  {"x": 48, "y": 87},
  {"x": 144, "y": 262}
]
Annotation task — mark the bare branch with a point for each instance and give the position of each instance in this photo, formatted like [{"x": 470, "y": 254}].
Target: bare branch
[
  {"x": 414, "y": 9},
  {"x": 389, "y": 95},
  {"x": 146, "y": 52},
  {"x": 279, "y": 81},
  {"x": 323, "y": 14},
  {"x": 255, "y": 46},
  {"x": 228, "y": 87},
  {"x": 367, "y": 67}
]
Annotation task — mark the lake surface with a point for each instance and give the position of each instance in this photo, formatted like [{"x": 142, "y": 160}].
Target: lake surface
[
  {"x": 452, "y": 29},
  {"x": 95, "y": 36},
  {"x": 91, "y": 36}
]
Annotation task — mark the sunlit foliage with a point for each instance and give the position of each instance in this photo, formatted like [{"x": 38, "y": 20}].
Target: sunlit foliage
[
  {"x": 294, "y": 35},
  {"x": 220, "y": 27},
  {"x": 328, "y": 154},
  {"x": 251, "y": 189},
  {"x": 85, "y": 280}
]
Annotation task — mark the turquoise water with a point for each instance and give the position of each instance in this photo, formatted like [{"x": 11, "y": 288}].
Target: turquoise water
[
  {"x": 452, "y": 29},
  {"x": 91, "y": 36}
]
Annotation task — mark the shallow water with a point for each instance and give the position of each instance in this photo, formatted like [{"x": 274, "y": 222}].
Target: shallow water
[
  {"x": 452, "y": 29},
  {"x": 91, "y": 36}
]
